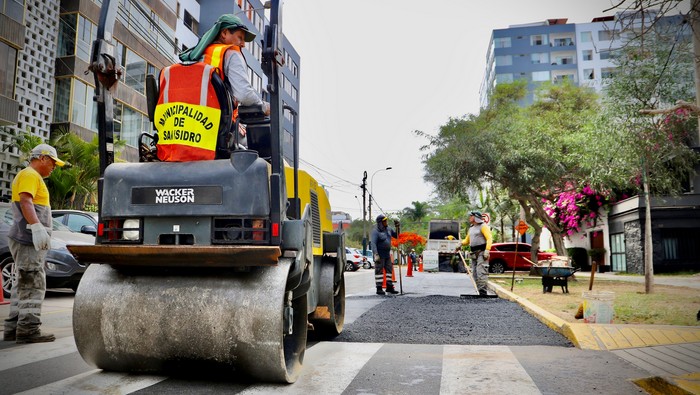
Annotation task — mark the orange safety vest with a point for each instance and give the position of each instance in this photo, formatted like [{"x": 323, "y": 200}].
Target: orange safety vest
[
  {"x": 215, "y": 55},
  {"x": 188, "y": 114}
]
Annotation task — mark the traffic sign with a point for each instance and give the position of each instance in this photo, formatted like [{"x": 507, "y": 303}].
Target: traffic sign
[
  {"x": 486, "y": 217},
  {"x": 522, "y": 227}
]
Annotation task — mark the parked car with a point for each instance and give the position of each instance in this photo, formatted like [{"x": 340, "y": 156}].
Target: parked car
[
  {"x": 353, "y": 260},
  {"x": 502, "y": 255},
  {"x": 77, "y": 221},
  {"x": 62, "y": 270},
  {"x": 368, "y": 263}
]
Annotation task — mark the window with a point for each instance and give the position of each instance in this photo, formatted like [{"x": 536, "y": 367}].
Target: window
[
  {"x": 191, "y": 23},
  {"x": 61, "y": 100},
  {"x": 586, "y": 37},
  {"x": 608, "y": 35},
  {"x": 8, "y": 70},
  {"x": 587, "y": 54},
  {"x": 129, "y": 124},
  {"x": 540, "y": 75},
  {"x": 605, "y": 54},
  {"x": 539, "y": 58},
  {"x": 66, "y": 35},
  {"x": 617, "y": 252},
  {"x": 588, "y": 74},
  {"x": 87, "y": 31},
  {"x": 14, "y": 9},
  {"x": 563, "y": 42},
  {"x": 82, "y": 113},
  {"x": 607, "y": 72},
  {"x": 501, "y": 42},
  {"x": 505, "y": 60},
  {"x": 504, "y": 78},
  {"x": 135, "y": 74},
  {"x": 539, "y": 39}
]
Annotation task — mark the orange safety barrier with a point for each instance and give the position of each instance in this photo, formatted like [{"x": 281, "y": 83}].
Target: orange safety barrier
[{"x": 393, "y": 277}]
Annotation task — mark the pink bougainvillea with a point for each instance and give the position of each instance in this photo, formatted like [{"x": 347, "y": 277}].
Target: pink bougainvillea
[{"x": 571, "y": 210}]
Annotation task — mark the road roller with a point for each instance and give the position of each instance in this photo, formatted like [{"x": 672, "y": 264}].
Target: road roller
[{"x": 216, "y": 264}]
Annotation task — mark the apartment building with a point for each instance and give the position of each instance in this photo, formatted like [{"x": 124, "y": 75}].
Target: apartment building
[
  {"x": 554, "y": 50},
  {"x": 46, "y": 47}
]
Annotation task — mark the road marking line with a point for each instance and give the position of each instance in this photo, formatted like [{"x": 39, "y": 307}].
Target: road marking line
[{"x": 469, "y": 369}]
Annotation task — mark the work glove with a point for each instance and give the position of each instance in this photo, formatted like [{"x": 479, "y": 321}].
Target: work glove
[
  {"x": 486, "y": 254},
  {"x": 397, "y": 223},
  {"x": 40, "y": 237}
]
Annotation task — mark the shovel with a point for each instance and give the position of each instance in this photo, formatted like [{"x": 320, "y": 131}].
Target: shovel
[{"x": 469, "y": 273}]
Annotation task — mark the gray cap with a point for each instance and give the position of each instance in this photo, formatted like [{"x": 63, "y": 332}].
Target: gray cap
[{"x": 45, "y": 149}]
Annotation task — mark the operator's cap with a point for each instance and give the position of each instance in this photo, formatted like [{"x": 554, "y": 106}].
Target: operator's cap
[
  {"x": 232, "y": 22},
  {"x": 45, "y": 149}
]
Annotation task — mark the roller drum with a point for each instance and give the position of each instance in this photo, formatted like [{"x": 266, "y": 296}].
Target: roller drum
[{"x": 146, "y": 322}]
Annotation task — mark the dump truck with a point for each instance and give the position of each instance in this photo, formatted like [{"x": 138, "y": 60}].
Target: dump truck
[
  {"x": 222, "y": 264},
  {"x": 443, "y": 240}
]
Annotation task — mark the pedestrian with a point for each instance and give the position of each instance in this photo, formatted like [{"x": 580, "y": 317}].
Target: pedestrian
[
  {"x": 479, "y": 240},
  {"x": 414, "y": 259},
  {"x": 29, "y": 242},
  {"x": 381, "y": 245},
  {"x": 222, "y": 45}
]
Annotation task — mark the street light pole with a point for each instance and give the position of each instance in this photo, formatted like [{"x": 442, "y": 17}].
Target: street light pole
[
  {"x": 371, "y": 188},
  {"x": 364, "y": 214}
]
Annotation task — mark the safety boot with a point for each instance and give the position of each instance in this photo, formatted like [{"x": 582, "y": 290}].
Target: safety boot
[
  {"x": 37, "y": 337},
  {"x": 391, "y": 290},
  {"x": 9, "y": 335},
  {"x": 10, "y": 330},
  {"x": 380, "y": 291}
]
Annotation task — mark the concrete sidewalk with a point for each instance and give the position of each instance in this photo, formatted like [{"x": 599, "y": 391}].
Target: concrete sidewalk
[{"x": 670, "y": 353}]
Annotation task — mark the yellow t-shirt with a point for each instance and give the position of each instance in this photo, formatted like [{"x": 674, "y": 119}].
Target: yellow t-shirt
[{"x": 29, "y": 181}]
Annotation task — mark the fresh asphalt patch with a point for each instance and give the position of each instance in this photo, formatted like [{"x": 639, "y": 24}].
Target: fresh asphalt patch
[{"x": 439, "y": 319}]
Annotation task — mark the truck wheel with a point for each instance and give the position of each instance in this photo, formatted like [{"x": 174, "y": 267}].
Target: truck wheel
[{"x": 497, "y": 267}]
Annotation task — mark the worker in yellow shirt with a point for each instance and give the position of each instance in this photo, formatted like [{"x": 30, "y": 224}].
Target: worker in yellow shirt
[{"x": 479, "y": 240}]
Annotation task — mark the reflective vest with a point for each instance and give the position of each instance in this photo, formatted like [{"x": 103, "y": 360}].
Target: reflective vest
[
  {"x": 188, "y": 113},
  {"x": 215, "y": 56}
]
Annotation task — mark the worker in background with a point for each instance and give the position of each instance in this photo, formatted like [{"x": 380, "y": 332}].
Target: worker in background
[
  {"x": 479, "y": 240},
  {"x": 29, "y": 242},
  {"x": 414, "y": 259},
  {"x": 381, "y": 245},
  {"x": 222, "y": 45}
]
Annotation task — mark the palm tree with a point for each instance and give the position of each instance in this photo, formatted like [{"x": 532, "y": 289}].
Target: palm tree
[{"x": 417, "y": 212}]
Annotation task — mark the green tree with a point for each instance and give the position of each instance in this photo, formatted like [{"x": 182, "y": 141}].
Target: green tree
[
  {"x": 652, "y": 73},
  {"x": 530, "y": 152}
]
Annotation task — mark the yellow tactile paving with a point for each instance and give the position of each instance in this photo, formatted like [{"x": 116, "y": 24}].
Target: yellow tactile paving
[
  {"x": 633, "y": 338},
  {"x": 658, "y": 335},
  {"x": 611, "y": 337}
]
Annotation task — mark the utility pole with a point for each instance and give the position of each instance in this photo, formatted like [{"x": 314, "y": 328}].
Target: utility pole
[{"x": 364, "y": 214}]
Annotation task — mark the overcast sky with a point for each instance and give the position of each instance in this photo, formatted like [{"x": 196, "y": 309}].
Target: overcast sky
[{"x": 373, "y": 71}]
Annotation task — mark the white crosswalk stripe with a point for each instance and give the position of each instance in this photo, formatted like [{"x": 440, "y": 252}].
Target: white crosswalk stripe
[{"x": 329, "y": 368}]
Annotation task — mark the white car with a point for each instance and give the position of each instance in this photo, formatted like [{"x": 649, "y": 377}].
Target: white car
[
  {"x": 368, "y": 261},
  {"x": 353, "y": 260}
]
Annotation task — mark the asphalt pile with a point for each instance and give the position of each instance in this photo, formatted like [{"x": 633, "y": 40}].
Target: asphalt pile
[{"x": 438, "y": 319}]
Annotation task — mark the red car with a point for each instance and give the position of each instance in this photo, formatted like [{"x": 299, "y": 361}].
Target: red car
[{"x": 502, "y": 255}]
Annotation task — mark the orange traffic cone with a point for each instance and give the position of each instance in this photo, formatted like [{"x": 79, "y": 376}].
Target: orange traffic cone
[
  {"x": 393, "y": 277},
  {"x": 409, "y": 271},
  {"x": 2, "y": 294},
  {"x": 384, "y": 281},
  {"x": 420, "y": 265}
]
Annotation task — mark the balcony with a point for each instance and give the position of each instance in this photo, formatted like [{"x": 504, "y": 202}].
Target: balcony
[{"x": 9, "y": 111}]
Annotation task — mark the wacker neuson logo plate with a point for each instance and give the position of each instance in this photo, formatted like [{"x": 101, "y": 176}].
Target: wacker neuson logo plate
[{"x": 177, "y": 195}]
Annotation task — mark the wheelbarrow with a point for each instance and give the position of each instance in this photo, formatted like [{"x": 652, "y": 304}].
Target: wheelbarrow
[{"x": 555, "y": 276}]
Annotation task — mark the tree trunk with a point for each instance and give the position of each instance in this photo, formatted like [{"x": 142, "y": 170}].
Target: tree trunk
[
  {"x": 648, "y": 247},
  {"x": 695, "y": 28}
]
